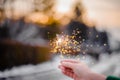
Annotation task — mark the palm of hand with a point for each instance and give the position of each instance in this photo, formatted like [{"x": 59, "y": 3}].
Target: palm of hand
[{"x": 77, "y": 72}]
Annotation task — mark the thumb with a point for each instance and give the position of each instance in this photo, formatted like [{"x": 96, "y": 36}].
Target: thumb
[{"x": 68, "y": 64}]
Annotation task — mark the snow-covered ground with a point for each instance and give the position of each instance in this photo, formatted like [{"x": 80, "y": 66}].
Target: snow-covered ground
[{"x": 108, "y": 65}]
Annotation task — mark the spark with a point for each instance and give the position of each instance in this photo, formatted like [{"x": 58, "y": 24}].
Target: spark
[
  {"x": 83, "y": 57},
  {"x": 84, "y": 52},
  {"x": 105, "y": 44},
  {"x": 83, "y": 40},
  {"x": 91, "y": 45},
  {"x": 87, "y": 45},
  {"x": 97, "y": 36}
]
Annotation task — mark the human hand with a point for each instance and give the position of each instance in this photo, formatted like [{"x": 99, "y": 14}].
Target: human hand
[{"x": 78, "y": 70}]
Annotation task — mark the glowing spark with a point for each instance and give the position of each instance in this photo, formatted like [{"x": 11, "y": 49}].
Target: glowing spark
[
  {"x": 59, "y": 40},
  {"x": 105, "y": 44},
  {"x": 97, "y": 36}
]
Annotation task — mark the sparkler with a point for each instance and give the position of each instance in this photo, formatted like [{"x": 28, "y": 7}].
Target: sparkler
[{"x": 65, "y": 44}]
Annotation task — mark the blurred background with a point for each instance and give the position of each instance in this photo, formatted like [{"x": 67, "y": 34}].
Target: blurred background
[{"x": 27, "y": 26}]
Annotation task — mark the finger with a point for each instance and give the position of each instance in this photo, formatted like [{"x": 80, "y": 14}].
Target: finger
[
  {"x": 67, "y": 74},
  {"x": 61, "y": 67},
  {"x": 68, "y": 69},
  {"x": 70, "y": 74},
  {"x": 65, "y": 69},
  {"x": 68, "y": 65},
  {"x": 70, "y": 60}
]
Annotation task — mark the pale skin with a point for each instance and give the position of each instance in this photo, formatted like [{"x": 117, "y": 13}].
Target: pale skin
[{"x": 79, "y": 71}]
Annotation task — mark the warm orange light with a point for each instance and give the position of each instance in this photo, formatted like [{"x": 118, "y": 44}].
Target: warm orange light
[{"x": 38, "y": 17}]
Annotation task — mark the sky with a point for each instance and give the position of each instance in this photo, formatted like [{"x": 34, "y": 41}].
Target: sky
[{"x": 104, "y": 12}]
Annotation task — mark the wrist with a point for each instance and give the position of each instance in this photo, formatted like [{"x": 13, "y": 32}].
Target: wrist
[{"x": 96, "y": 76}]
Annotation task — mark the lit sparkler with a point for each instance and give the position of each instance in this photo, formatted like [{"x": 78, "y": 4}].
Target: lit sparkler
[
  {"x": 68, "y": 46},
  {"x": 65, "y": 44}
]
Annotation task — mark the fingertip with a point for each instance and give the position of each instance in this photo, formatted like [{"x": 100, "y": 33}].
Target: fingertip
[
  {"x": 64, "y": 64},
  {"x": 61, "y": 67},
  {"x": 63, "y": 71},
  {"x": 61, "y": 61}
]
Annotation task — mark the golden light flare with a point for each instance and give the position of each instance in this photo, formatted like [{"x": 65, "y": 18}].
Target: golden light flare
[
  {"x": 37, "y": 17},
  {"x": 65, "y": 44}
]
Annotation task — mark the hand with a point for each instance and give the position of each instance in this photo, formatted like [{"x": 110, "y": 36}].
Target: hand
[{"x": 78, "y": 70}]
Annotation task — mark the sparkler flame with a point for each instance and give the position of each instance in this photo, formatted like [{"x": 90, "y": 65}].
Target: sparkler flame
[
  {"x": 68, "y": 47},
  {"x": 65, "y": 44}
]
